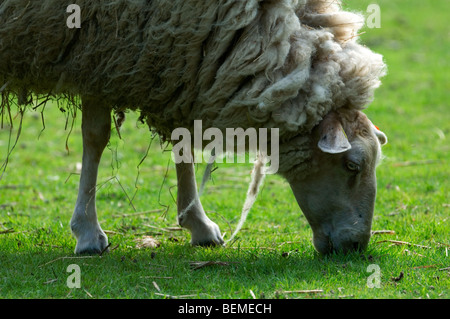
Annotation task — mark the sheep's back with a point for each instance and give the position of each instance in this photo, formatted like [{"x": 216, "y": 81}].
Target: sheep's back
[{"x": 236, "y": 63}]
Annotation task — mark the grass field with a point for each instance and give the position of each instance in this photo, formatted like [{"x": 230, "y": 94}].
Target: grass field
[{"x": 273, "y": 256}]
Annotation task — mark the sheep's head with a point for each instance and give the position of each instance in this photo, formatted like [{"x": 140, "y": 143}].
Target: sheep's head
[{"x": 337, "y": 193}]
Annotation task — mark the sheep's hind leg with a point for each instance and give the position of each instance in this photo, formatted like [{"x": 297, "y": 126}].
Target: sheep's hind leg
[
  {"x": 191, "y": 215},
  {"x": 96, "y": 130}
]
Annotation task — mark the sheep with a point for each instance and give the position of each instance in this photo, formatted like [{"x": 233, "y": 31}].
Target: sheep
[{"x": 294, "y": 65}]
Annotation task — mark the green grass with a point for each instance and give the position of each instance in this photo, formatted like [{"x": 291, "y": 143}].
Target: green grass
[{"x": 274, "y": 253}]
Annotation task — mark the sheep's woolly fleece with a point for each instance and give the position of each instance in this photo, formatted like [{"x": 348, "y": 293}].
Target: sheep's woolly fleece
[{"x": 231, "y": 63}]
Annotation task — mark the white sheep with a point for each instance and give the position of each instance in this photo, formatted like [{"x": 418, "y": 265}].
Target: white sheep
[{"x": 294, "y": 65}]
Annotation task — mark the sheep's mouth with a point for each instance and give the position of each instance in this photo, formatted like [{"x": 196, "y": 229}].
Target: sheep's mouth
[{"x": 326, "y": 246}]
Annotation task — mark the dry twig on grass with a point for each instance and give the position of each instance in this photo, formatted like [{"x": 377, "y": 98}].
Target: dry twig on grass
[
  {"x": 8, "y": 231},
  {"x": 312, "y": 291},
  {"x": 175, "y": 297},
  {"x": 139, "y": 213},
  {"x": 383, "y": 232},
  {"x": 427, "y": 266},
  {"x": 200, "y": 264},
  {"x": 165, "y": 229},
  {"x": 413, "y": 163},
  {"x": 66, "y": 257},
  {"x": 398, "y": 242},
  {"x": 104, "y": 249}
]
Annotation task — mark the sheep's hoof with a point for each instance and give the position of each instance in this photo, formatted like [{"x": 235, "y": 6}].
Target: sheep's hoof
[
  {"x": 207, "y": 235},
  {"x": 90, "y": 242},
  {"x": 94, "y": 246}
]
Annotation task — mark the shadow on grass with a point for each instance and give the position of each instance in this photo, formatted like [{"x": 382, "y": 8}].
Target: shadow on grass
[{"x": 177, "y": 270}]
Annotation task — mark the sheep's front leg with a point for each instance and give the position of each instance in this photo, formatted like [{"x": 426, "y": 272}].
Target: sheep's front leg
[
  {"x": 191, "y": 215},
  {"x": 96, "y": 130}
]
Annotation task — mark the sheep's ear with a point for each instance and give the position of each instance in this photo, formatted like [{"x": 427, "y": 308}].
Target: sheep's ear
[
  {"x": 333, "y": 139},
  {"x": 380, "y": 135}
]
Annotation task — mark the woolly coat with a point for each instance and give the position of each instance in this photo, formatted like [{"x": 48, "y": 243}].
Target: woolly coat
[{"x": 230, "y": 63}]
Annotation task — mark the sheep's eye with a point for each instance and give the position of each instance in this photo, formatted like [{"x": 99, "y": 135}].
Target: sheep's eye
[{"x": 352, "y": 166}]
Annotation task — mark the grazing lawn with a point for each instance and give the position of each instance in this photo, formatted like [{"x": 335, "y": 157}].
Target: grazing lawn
[{"x": 273, "y": 256}]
